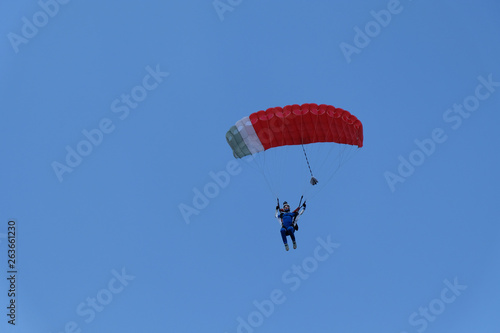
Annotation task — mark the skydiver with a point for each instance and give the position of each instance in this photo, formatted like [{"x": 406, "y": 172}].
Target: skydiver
[{"x": 288, "y": 221}]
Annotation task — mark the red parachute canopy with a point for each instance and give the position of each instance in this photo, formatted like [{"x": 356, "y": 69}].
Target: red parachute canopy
[{"x": 294, "y": 125}]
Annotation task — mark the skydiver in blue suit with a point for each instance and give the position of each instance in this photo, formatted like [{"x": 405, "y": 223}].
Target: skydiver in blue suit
[{"x": 288, "y": 221}]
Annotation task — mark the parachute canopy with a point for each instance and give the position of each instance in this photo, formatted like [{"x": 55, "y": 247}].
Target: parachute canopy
[{"x": 293, "y": 125}]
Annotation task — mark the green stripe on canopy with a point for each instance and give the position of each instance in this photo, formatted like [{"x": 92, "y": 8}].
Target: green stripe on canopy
[{"x": 236, "y": 142}]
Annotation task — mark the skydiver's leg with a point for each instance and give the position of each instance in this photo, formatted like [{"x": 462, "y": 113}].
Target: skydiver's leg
[
  {"x": 283, "y": 235},
  {"x": 291, "y": 232}
]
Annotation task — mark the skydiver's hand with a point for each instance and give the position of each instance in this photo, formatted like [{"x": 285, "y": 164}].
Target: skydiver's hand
[
  {"x": 304, "y": 204},
  {"x": 277, "y": 207}
]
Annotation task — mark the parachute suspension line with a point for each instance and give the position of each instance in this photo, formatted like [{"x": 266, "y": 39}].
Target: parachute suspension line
[
  {"x": 314, "y": 181},
  {"x": 269, "y": 185},
  {"x": 258, "y": 163},
  {"x": 342, "y": 159}
]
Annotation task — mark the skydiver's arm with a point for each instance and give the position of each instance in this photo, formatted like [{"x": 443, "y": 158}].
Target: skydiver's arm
[
  {"x": 298, "y": 208},
  {"x": 298, "y": 215},
  {"x": 303, "y": 208},
  {"x": 279, "y": 216}
]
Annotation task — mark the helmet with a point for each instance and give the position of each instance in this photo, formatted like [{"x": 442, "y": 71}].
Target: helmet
[{"x": 286, "y": 206}]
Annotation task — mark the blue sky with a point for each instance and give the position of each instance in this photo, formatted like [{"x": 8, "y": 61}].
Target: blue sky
[{"x": 114, "y": 119}]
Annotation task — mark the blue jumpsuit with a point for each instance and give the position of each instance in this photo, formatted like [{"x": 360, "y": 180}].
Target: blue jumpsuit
[{"x": 287, "y": 220}]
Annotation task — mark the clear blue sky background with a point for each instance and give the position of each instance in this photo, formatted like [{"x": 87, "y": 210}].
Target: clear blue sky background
[{"x": 118, "y": 212}]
